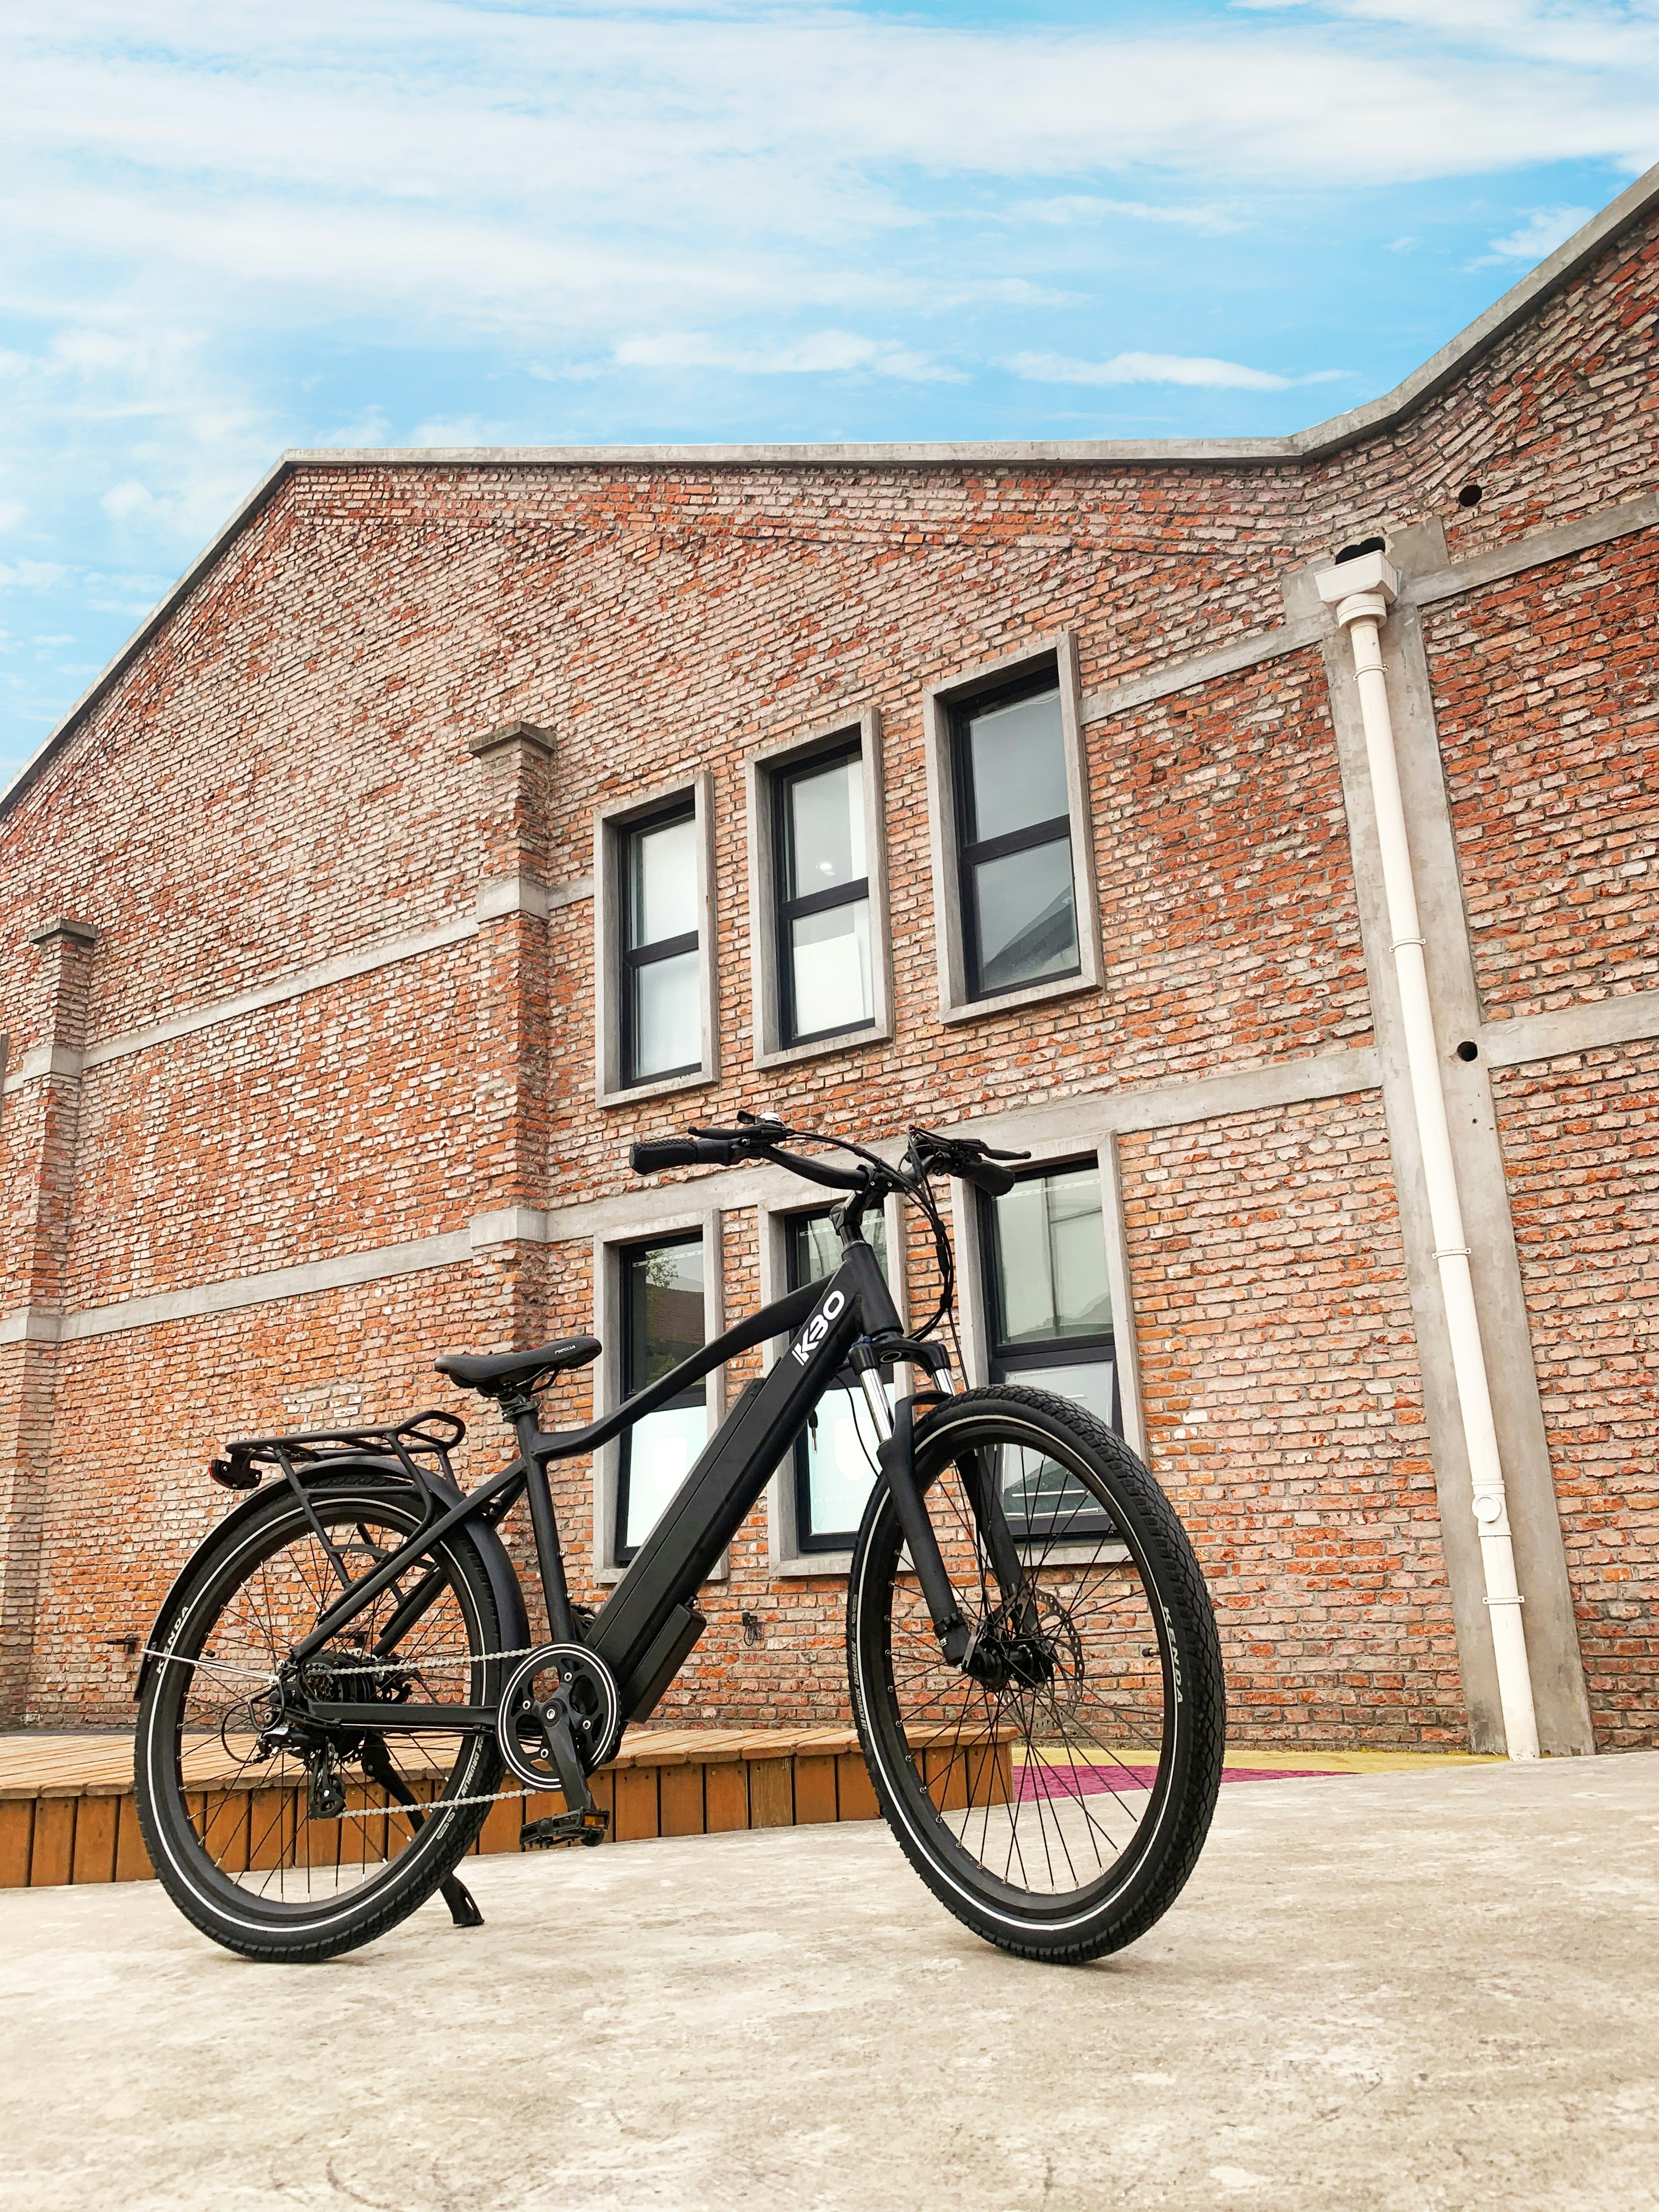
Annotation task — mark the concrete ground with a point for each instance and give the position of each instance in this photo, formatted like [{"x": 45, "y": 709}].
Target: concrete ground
[{"x": 1396, "y": 1990}]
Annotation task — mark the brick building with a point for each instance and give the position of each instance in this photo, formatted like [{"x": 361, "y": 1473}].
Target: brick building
[{"x": 460, "y": 817}]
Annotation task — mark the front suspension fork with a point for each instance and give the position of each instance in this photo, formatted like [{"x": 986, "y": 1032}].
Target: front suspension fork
[{"x": 896, "y": 1453}]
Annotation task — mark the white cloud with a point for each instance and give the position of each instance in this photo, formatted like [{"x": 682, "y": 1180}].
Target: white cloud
[
  {"x": 1546, "y": 229},
  {"x": 31, "y": 576},
  {"x": 12, "y": 512},
  {"x": 824, "y": 353},
  {"x": 1156, "y": 368},
  {"x": 1072, "y": 209}
]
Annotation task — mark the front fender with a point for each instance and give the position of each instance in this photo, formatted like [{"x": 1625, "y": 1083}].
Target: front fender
[{"x": 503, "y": 1580}]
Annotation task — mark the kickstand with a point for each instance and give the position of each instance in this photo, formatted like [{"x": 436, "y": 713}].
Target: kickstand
[{"x": 463, "y": 1905}]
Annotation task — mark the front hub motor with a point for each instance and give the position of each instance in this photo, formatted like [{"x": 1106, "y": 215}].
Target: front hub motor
[{"x": 559, "y": 1681}]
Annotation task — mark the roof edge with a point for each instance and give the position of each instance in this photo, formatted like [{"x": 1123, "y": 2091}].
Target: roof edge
[{"x": 1313, "y": 443}]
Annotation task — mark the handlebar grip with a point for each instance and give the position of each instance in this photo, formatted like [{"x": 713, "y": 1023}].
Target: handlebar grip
[
  {"x": 986, "y": 1176},
  {"x": 653, "y": 1154}
]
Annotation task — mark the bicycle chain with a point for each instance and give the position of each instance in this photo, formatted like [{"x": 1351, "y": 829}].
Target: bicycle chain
[{"x": 382, "y": 1666}]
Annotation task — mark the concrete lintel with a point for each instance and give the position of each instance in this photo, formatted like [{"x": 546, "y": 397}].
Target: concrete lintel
[
  {"x": 1203, "y": 668},
  {"x": 43, "y": 1061},
  {"x": 1091, "y": 1118},
  {"x": 500, "y": 895},
  {"x": 363, "y": 962},
  {"x": 512, "y": 1224},
  {"x": 512, "y": 733},
  {"x": 342, "y": 1273},
  {"x": 1582, "y": 535},
  {"x": 31, "y": 1325},
  {"x": 70, "y": 931},
  {"x": 1629, "y": 1018}
]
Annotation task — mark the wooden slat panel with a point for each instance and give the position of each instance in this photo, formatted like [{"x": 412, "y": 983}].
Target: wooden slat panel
[
  {"x": 944, "y": 1770},
  {"x": 363, "y": 1832},
  {"x": 771, "y": 1793},
  {"x": 95, "y": 1822},
  {"x": 16, "y": 1839},
  {"x": 132, "y": 1859},
  {"x": 501, "y": 1824},
  {"x": 602, "y": 1787},
  {"x": 225, "y": 1837},
  {"x": 815, "y": 1789},
  {"x": 726, "y": 1796},
  {"x": 271, "y": 1828},
  {"x": 855, "y": 1797},
  {"x": 636, "y": 1804},
  {"x": 54, "y": 1842},
  {"x": 681, "y": 1800}
]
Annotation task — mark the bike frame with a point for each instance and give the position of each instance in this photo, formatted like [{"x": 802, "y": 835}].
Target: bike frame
[{"x": 647, "y": 1625}]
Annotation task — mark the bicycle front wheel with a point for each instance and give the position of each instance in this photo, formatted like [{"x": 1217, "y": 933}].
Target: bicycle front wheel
[
  {"x": 278, "y": 1840},
  {"x": 1056, "y": 1794}
]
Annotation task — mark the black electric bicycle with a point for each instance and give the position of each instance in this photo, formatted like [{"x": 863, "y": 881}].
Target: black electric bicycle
[{"x": 342, "y": 1676}]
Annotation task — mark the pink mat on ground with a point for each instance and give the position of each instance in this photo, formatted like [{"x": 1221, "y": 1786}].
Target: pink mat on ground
[{"x": 1090, "y": 1780}]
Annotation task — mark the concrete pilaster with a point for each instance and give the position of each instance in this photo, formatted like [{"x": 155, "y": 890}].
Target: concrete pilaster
[
  {"x": 40, "y": 1147},
  {"x": 510, "y": 1165},
  {"x": 1552, "y": 1638}
]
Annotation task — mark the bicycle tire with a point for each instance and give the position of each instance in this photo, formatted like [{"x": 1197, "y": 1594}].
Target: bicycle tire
[
  {"x": 1019, "y": 1745},
  {"x": 306, "y": 1921}
]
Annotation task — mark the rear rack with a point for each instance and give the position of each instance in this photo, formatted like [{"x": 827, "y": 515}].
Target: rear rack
[{"x": 433, "y": 1433}]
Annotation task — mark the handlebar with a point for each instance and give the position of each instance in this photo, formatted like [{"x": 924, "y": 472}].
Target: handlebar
[
  {"x": 764, "y": 1137},
  {"x": 975, "y": 1163}
]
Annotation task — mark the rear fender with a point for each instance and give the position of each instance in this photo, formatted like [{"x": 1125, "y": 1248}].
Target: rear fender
[{"x": 386, "y": 1473}]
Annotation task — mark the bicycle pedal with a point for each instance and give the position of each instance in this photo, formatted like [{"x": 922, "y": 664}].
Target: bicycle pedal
[{"x": 564, "y": 1829}]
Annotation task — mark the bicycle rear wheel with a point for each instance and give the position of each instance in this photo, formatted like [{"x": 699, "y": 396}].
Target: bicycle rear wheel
[
  {"x": 276, "y": 1848},
  {"x": 1054, "y": 1795}
]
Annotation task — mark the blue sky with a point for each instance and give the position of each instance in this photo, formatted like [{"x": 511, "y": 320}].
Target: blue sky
[{"x": 230, "y": 228}]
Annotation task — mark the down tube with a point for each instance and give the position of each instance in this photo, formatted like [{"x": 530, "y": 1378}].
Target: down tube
[{"x": 710, "y": 1506}]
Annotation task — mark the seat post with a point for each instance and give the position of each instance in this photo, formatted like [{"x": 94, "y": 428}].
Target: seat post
[{"x": 550, "y": 1557}]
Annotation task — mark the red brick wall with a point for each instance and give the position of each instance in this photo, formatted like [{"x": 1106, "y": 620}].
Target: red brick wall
[
  {"x": 1284, "y": 1418},
  {"x": 1547, "y": 698},
  {"x": 335, "y": 1123},
  {"x": 1581, "y": 1144},
  {"x": 1227, "y": 899}
]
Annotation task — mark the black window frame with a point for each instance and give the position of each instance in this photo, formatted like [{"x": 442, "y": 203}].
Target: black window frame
[
  {"x": 1008, "y": 1362},
  {"x": 627, "y": 1256},
  {"x": 808, "y": 1540},
  {"x": 787, "y": 909},
  {"x": 631, "y": 959},
  {"x": 973, "y": 851}
]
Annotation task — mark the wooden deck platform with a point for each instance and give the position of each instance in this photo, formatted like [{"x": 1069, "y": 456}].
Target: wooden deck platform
[{"x": 67, "y": 1813}]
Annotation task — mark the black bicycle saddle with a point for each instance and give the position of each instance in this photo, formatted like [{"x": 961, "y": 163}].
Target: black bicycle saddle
[{"x": 490, "y": 1373}]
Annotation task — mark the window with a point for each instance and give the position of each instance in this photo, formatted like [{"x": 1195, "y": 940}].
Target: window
[
  {"x": 662, "y": 982},
  {"x": 662, "y": 1318},
  {"x": 826, "y": 980},
  {"x": 833, "y": 1469},
  {"x": 654, "y": 990},
  {"x": 818, "y": 892},
  {"x": 1014, "y": 839},
  {"x": 1049, "y": 1310}
]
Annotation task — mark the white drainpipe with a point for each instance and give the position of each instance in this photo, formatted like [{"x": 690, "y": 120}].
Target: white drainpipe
[{"x": 1361, "y": 591}]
